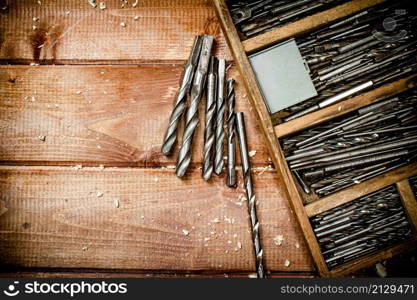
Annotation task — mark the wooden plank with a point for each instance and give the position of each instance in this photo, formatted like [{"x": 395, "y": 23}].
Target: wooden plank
[
  {"x": 58, "y": 218},
  {"x": 125, "y": 274},
  {"x": 360, "y": 190},
  {"x": 307, "y": 24},
  {"x": 90, "y": 115},
  {"x": 256, "y": 99},
  {"x": 345, "y": 107},
  {"x": 409, "y": 201},
  {"x": 73, "y": 31}
]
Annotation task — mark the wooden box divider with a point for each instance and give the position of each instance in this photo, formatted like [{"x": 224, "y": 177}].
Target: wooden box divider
[{"x": 301, "y": 203}]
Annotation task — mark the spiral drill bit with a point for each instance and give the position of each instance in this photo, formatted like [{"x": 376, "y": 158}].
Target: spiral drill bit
[
  {"x": 209, "y": 137},
  {"x": 241, "y": 133},
  {"x": 231, "y": 135},
  {"x": 220, "y": 116},
  {"x": 191, "y": 120},
  {"x": 181, "y": 99}
]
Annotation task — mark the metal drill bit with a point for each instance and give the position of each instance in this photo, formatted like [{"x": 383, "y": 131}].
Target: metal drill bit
[
  {"x": 231, "y": 135},
  {"x": 191, "y": 122},
  {"x": 209, "y": 137},
  {"x": 220, "y": 118},
  {"x": 181, "y": 99},
  {"x": 246, "y": 168}
]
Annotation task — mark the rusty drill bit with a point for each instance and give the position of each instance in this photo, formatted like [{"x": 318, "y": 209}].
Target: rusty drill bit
[
  {"x": 181, "y": 99},
  {"x": 231, "y": 135},
  {"x": 209, "y": 138},
  {"x": 191, "y": 121},
  {"x": 220, "y": 117},
  {"x": 241, "y": 133}
]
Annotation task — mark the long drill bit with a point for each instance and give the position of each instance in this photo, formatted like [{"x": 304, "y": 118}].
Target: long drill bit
[
  {"x": 209, "y": 138},
  {"x": 220, "y": 117},
  {"x": 181, "y": 99},
  {"x": 241, "y": 133},
  {"x": 191, "y": 120},
  {"x": 231, "y": 135}
]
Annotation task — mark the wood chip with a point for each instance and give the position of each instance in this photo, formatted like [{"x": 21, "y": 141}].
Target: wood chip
[
  {"x": 287, "y": 263},
  {"x": 252, "y": 153},
  {"x": 84, "y": 248},
  {"x": 278, "y": 240},
  {"x": 116, "y": 203},
  {"x": 135, "y": 3},
  {"x": 78, "y": 167},
  {"x": 216, "y": 220},
  {"x": 185, "y": 232},
  {"x": 297, "y": 245},
  {"x": 42, "y": 138},
  {"x": 136, "y": 18},
  {"x": 123, "y": 24},
  {"x": 35, "y": 19},
  {"x": 99, "y": 194},
  {"x": 102, "y": 5},
  {"x": 92, "y": 3}
]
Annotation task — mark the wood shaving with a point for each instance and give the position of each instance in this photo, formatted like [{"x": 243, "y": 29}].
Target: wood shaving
[
  {"x": 68, "y": 12},
  {"x": 123, "y": 24},
  {"x": 287, "y": 263},
  {"x": 239, "y": 245},
  {"x": 229, "y": 220},
  {"x": 102, "y": 5},
  {"x": 136, "y": 18},
  {"x": 252, "y": 153},
  {"x": 42, "y": 138},
  {"x": 78, "y": 92},
  {"x": 92, "y": 3},
  {"x": 253, "y": 275},
  {"x": 34, "y": 27},
  {"x": 84, "y": 248},
  {"x": 35, "y": 19},
  {"x": 216, "y": 220},
  {"x": 278, "y": 240},
  {"x": 39, "y": 2},
  {"x": 135, "y": 3},
  {"x": 101, "y": 167},
  {"x": 185, "y": 232},
  {"x": 78, "y": 167},
  {"x": 99, "y": 194},
  {"x": 297, "y": 245},
  {"x": 116, "y": 203}
]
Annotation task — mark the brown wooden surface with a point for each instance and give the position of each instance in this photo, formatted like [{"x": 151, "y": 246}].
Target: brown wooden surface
[
  {"x": 307, "y": 24},
  {"x": 409, "y": 201},
  {"x": 164, "y": 31}
]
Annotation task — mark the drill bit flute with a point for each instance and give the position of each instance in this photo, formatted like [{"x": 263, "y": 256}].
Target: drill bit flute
[
  {"x": 220, "y": 116},
  {"x": 241, "y": 132},
  {"x": 209, "y": 138},
  {"x": 191, "y": 121},
  {"x": 180, "y": 101},
  {"x": 231, "y": 135}
]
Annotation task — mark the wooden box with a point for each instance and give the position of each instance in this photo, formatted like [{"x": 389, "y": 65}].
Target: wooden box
[{"x": 273, "y": 134}]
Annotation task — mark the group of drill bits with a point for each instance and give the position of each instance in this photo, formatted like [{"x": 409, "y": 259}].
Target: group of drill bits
[
  {"x": 361, "y": 52},
  {"x": 356, "y": 147},
  {"x": 254, "y": 17},
  {"x": 360, "y": 227},
  {"x": 206, "y": 74}
]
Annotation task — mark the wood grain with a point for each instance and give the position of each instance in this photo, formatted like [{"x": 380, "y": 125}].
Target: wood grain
[
  {"x": 61, "y": 218},
  {"x": 111, "y": 115},
  {"x": 409, "y": 202},
  {"x": 73, "y": 31}
]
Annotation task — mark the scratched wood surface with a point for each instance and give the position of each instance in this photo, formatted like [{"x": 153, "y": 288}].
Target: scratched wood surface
[
  {"x": 73, "y": 31},
  {"x": 128, "y": 218}
]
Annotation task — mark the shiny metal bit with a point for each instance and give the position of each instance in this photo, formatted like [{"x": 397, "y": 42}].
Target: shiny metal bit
[
  {"x": 191, "y": 121},
  {"x": 181, "y": 99},
  {"x": 220, "y": 118},
  {"x": 209, "y": 137},
  {"x": 246, "y": 168},
  {"x": 231, "y": 135}
]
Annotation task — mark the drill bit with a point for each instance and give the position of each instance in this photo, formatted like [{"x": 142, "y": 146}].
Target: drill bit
[
  {"x": 241, "y": 133},
  {"x": 231, "y": 135},
  {"x": 220, "y": 116},
  {"x": 191, "y": 120},
  {"x": 209, "y": 137},
  {"x": 181, "y": 99}
]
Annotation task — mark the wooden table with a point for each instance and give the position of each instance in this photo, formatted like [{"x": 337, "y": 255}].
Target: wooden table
[{"x": 84, "y": 189}]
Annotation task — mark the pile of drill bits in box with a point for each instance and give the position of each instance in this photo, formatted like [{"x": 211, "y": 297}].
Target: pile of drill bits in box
[
  {"x": 356, "y": 147},
  {"x": 254, "y": 17},
  {"x": 360, "y": 227},
  {"x": 369, "y": 49},
  {"x": 413, "y": 182},
  {"x": 205, "y": 74}
]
